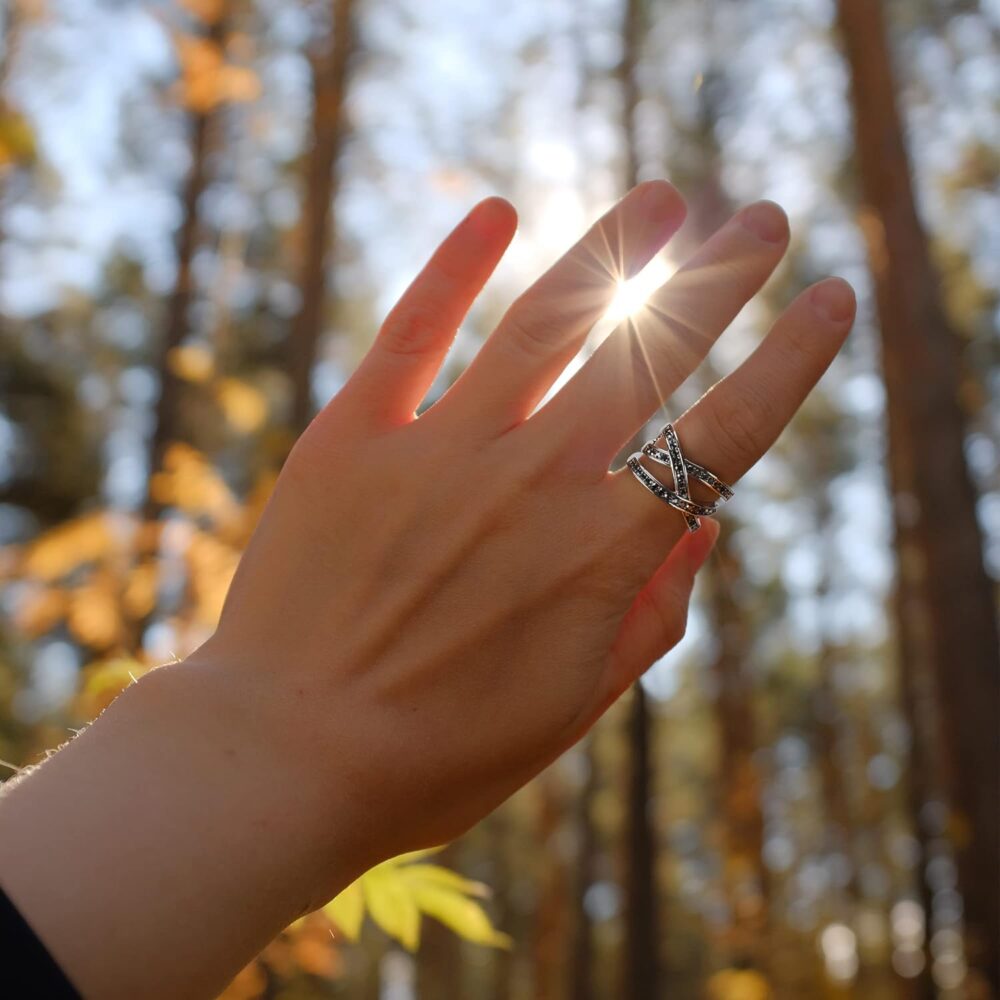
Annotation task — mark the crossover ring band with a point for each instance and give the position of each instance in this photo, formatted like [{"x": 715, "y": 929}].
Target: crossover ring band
[{"x": 682, "y": 469}]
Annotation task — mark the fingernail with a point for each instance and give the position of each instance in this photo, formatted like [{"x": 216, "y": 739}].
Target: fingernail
[
  {"x": 658, "y": 199},
  {"x": 659, "y": 212},
  {"x": 488, "y": 216},
  {"x": 766, "y": 220},
  {"x": 833, "y": 300}
]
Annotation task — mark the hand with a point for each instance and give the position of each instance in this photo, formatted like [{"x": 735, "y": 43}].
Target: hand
[
  {"x": 429, "y": 611},
  {"x": 433, "y": 608}
]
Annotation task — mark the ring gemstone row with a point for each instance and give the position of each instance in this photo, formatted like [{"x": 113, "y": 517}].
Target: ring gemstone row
[{"x": 681, "y": 469}]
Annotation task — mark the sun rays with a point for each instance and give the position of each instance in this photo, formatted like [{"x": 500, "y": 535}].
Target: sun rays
[{"x": 632, "y": 294}]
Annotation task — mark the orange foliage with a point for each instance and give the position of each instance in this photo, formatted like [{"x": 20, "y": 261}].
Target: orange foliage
[
  {"x": 94, "y": 615},
  {"x": 206, "y": 11},
  {"x": 39, "y": 610},
  {"x": 207, "y": 80}
]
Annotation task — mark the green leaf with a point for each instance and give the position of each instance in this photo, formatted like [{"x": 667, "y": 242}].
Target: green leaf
[{"x": 347, "y": 911}]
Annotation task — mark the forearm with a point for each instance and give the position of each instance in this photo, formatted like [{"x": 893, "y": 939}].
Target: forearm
[{"x": 162, "y": 848}]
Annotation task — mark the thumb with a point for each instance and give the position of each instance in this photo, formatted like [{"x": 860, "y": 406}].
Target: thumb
[{"x": 657, "y": 619}]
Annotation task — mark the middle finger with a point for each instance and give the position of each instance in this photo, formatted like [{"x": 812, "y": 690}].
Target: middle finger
[{"x": 638, "y": 367}]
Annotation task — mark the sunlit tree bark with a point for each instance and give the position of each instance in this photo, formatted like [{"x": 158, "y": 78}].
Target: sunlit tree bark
[
  {"x": 939, "y": 542},
  {"x": 330, "y": 75},
  {"x": 744, "y": 873},
  {"x": 642, "y": 931},
  {"x": 175, "y": 325},
  {"x": 581, "y": 947}
]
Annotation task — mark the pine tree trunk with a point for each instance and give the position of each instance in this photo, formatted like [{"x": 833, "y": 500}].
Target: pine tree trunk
[
  {"x": 581, "y": 945},
  {"x": 551, "y": 916},
  {"x": 641, "y": 958},
  {"x": 744, "y": 873},
  {"x": 938, "y": 538},
  {"x": 330, "y": 70},
  {"x": 175, "y": 327}
]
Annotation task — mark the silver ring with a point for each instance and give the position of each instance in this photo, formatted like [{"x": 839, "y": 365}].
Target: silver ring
[{"x": 682, "y": 469}]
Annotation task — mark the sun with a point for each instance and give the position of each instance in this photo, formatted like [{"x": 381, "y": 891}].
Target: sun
[{"x": 633, "y": 294}]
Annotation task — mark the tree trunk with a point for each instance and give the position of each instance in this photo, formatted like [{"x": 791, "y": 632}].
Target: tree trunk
[
  {"x": 166, "y": 429},
  {"x": 641, "y": 964},
  {"x": 175, "y": 327},
  {"x": 937, "y": 535},
  {"x": 744, "y": 873},
  {"x": 551, "y": 916},
  {"x": 581, "y": 956},
  {"x": 329, "y": 79}
]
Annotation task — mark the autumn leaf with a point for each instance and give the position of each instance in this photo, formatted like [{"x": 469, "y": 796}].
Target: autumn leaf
[
  {"x": 39, "y": 610},
  {"x": 461, "y": 914},
  {"x": 207, "y": 79},
  {"x": 104, "y": 680},
  {"x": 17, "y": 139},
  {"x": 391, "y": 906},
  {"x": 397, "y": 893},
  {"x": 191, "y": 362},
  {"x": 347, "y": 911},
  {"x": 75, "y": 543},
  {"x": 244, "y": 406},
  {"x": 139, "y": 597}
]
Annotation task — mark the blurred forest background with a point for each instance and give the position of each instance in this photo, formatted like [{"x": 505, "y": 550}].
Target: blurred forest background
[{"x": 206, "y": 208}]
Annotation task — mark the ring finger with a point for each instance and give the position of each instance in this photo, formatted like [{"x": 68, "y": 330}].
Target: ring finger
[{"x": 741, "y": 416}]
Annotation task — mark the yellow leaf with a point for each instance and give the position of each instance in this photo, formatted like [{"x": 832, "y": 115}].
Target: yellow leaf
[
  {"x": 207, "y": 80},
  {"x": 239, "y": 84},
  {"x": 463, "y": 915},
  {"x": 244, "y": 406},
  {"x": 190, "y": 482},
  {"x": 191, "y": 362},
  {"x": 104, "y": 680},
  {"x": 347, "y": 911},
  {"x": 419, "y": 874},
  {"x": 40, "y": 610},
  {"x": 391, "y": 906},
  {"x": 140, "y": 590},
  {"x": 211, "y": 565},
  {"x": 17, "y": 138},
  {"x": 410, "y": 856},
  {"x": 397, "y": 892},
  {"x": 70, "y": 545},
  {"x": 94, "y": 615},
  {"x": 738, "y": 984}
]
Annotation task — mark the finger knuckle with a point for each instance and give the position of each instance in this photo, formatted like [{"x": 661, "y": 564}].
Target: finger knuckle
[
  {"x": 535, "y": 332},
  {"x": 410, "y": 333}
]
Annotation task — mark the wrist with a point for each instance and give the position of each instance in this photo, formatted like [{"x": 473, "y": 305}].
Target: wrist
[
  {"x": 173, "y": 829},
  {"x": 259, "y": 768}
]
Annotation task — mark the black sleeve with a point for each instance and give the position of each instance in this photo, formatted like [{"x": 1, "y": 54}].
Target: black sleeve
[{"x": 27, "y": 970}]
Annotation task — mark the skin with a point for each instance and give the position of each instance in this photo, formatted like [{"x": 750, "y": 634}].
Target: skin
[{"x": 431, "y": 609}]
